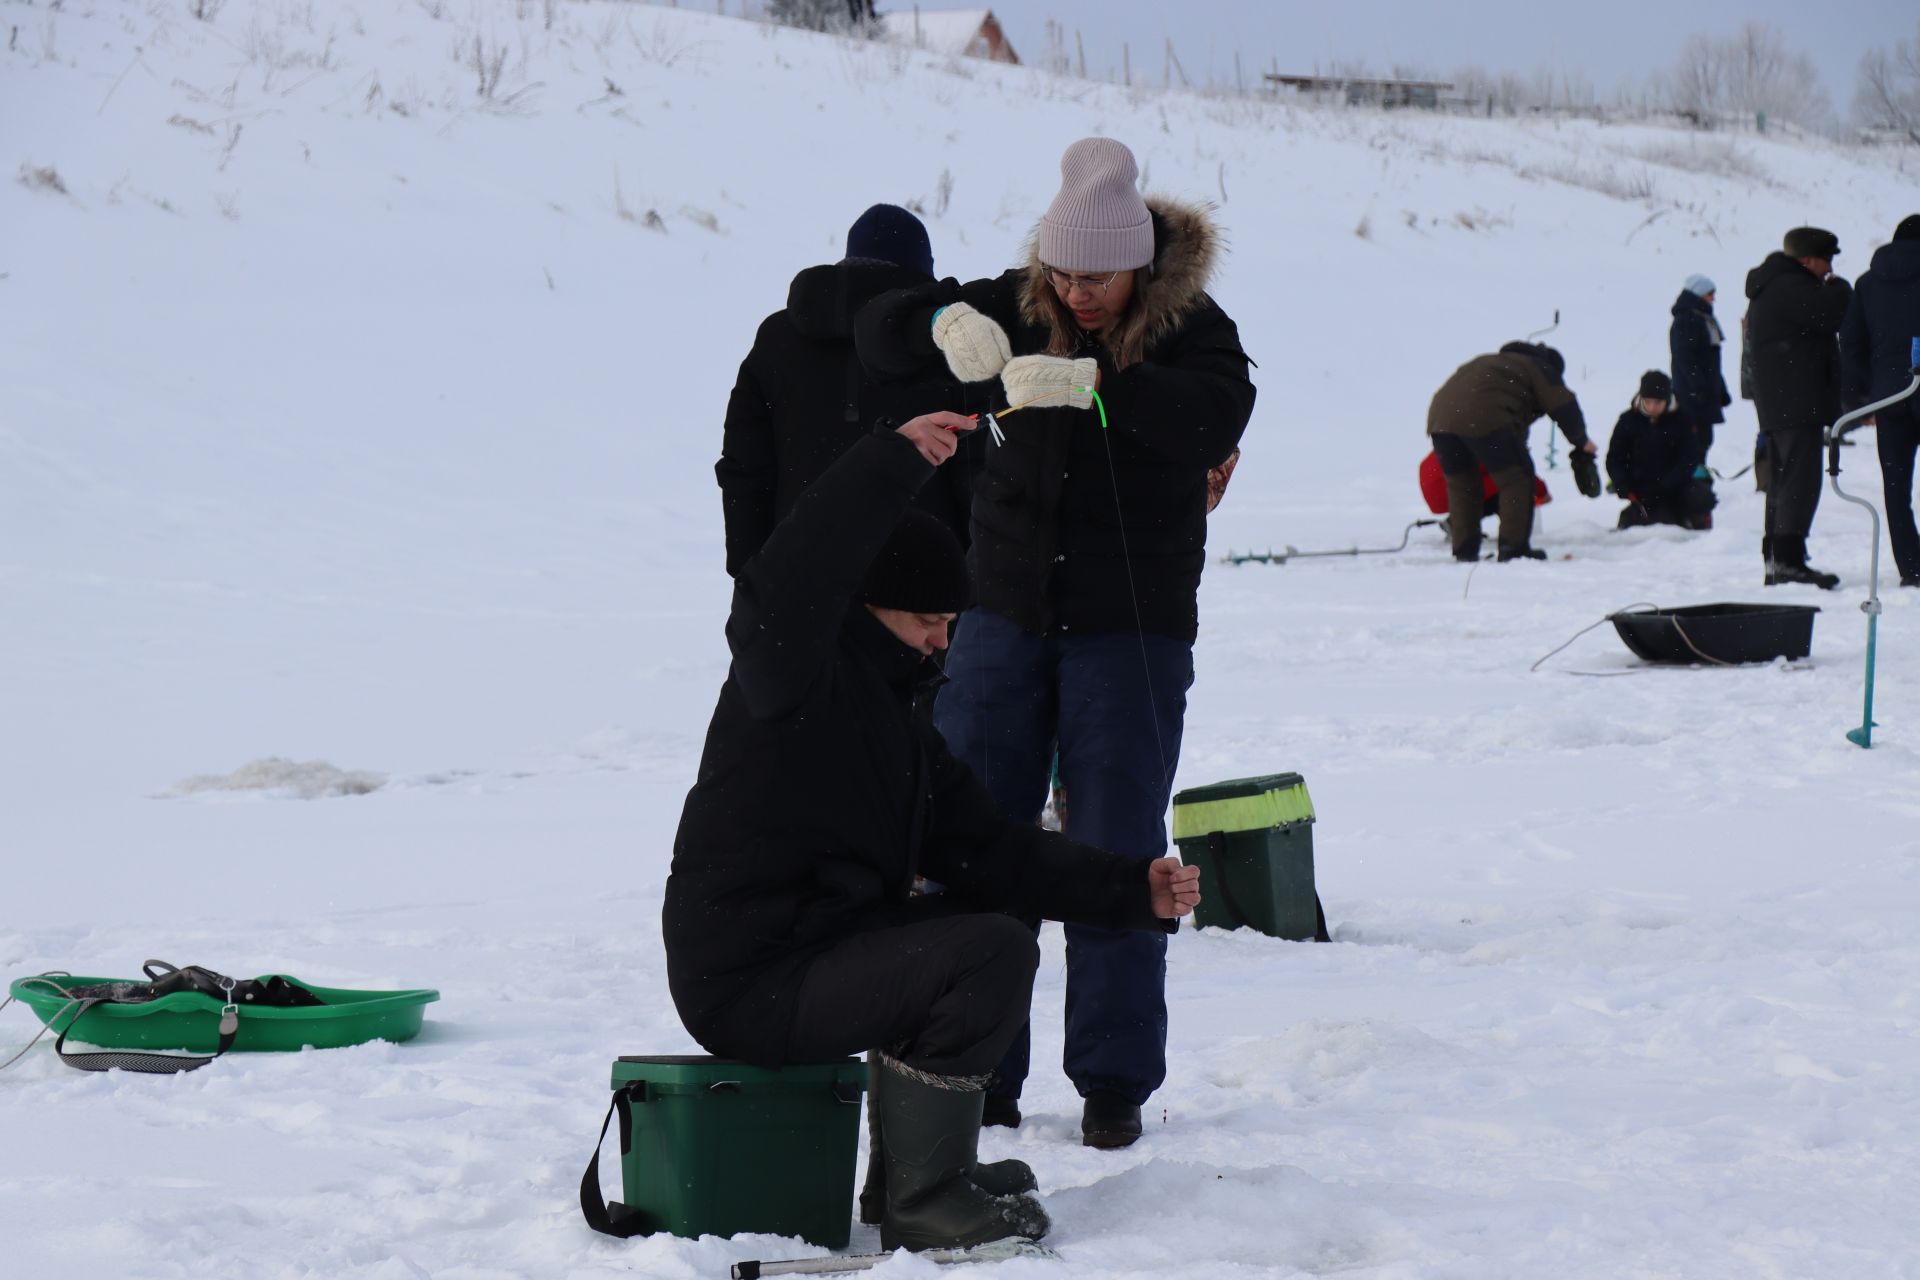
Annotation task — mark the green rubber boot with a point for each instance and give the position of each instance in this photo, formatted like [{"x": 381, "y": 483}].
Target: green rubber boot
[
  {"x": 930, "y": 1140},
  {"x": 1000, "y": 1178}
]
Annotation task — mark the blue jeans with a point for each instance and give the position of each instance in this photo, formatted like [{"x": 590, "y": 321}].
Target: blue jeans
[{"x": 1112, "y": 704}]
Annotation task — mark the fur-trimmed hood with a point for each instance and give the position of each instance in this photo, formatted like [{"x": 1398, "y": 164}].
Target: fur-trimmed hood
[{"x": 1186, "y": 248}]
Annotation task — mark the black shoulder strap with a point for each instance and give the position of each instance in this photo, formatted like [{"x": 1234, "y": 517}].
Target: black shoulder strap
[
  {"x": 158, "y": 1064},
  {"x": 611, "y": 1218}
]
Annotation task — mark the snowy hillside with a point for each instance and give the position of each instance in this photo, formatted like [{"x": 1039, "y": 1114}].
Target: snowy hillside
[{"x": 364, "y": 369}]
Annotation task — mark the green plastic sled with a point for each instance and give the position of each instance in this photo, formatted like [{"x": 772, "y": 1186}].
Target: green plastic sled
[{"x": 190, "y": 1021}]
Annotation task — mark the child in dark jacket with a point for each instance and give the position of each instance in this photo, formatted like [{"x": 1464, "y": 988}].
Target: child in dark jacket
[{"x": 1656, "y": 460}]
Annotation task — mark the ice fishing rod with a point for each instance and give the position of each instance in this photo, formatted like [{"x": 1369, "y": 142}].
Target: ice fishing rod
[
  {"x": 1270, "y": 556},
  {"x": 1836, "y": 435},
  {"x": 998, "y": 436}
]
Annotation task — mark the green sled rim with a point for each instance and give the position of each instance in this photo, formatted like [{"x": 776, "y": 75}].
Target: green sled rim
[{"x": 190, "y": 1021}]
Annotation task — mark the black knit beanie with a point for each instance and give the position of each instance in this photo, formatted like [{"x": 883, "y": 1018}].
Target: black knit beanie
[
  {"x": 921, "y": 569},
  {"x": 888, "y": 233},
  {"x": 1655, "y": 385},
  {"x": 1909, "y": 228}
]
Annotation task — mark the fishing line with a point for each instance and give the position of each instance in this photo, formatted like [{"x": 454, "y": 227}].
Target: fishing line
[{"x": 1133, "y": 592}]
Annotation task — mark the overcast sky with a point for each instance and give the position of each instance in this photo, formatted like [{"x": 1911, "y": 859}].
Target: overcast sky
[{"x": 1612, "y": 43}]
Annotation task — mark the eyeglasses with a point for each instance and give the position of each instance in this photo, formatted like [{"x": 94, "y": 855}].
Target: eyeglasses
[{"x": 1065, "y": 283}]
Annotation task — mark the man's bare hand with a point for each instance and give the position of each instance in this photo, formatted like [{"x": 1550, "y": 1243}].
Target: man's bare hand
[
  {"x": 937, "y": 435},
  {"x": 1174, "y": 887}
]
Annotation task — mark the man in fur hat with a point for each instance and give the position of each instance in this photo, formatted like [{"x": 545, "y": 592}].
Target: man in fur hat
[{"x": 1795, "y": 304}]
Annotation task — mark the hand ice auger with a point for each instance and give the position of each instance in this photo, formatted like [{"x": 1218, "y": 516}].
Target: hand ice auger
[
  {"x": 1271, "y": 556},
  {"x": 1863, "y": 736}
]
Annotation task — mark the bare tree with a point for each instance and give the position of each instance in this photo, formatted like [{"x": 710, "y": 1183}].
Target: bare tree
[
  {"x": 1772, "y": 78},
  {"x": 1696, "y": 86},
  {"x": 1888, "y": 95},
  {"x": 1751, "y": 73}
]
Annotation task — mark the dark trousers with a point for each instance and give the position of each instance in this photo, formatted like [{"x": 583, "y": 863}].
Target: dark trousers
[
  {"x": 1114, "y": 703},
  {"x": 1793, "y": 493},
  {"x": 1504, "y": 455},
  {"x": 1690, "y": 506},
  {"x": 1897, "y": 433},
  {"x": 946, "y": 994}
]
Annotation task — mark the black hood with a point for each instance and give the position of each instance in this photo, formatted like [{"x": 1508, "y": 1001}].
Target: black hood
[
  {"x": 1898, "y": 262},
  {"x": 1777, "y": 265},
  {"x": 823, "y": 300},
  {"x": 1689, "y": 302}
]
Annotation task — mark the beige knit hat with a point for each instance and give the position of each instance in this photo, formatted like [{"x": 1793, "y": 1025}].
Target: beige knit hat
[{"x": 1098, "y": 222}]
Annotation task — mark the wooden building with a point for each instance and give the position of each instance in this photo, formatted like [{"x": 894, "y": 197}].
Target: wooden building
[{"x": 958, "y": 33}]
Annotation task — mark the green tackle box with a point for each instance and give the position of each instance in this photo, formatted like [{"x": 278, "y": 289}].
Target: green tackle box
[
  {"x": 713, "y": 1147},
  {"x": 1252, "y": 839}
]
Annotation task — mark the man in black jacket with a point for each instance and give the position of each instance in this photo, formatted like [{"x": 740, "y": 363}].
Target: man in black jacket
[
  {"x": 1876, "y": 351},
  {"x": 790, "y": 929},
  {"x": 1089, "y": 539},
  {"x": 802, "y": 398},
  {"x": 1794, "y": 308}
]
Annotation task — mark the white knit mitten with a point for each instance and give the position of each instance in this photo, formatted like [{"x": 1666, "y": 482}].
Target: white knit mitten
[
  {"x": 976, "y": 348},
  {"x": 1050, "y": 381}
]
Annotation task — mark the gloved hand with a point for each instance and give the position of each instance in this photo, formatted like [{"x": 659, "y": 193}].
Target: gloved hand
[
  {"x": 1051, "y": 381},
  {"x": 976, "y": 348},
  {"x": 1586, "y": 473}
]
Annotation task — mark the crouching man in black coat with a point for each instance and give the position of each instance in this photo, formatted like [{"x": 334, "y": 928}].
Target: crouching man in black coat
[{"x": 790, "y": 928}]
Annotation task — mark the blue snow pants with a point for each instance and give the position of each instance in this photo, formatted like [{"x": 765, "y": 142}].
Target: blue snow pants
[{"x": 1115, "y": 717}]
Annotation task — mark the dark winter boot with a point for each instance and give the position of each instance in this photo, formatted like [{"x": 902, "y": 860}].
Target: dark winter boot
[
  {"x": 1109, "y": 1121},
  {"x": 1516, "y": 505},
  {"x": 1001, "y": 1178},
  {"x": 930, "y": 1137},
  {"x": 1780, "y": 575},
  {"x": 1522, "y": 552},
  {"x": 1002, "y": 1111}
]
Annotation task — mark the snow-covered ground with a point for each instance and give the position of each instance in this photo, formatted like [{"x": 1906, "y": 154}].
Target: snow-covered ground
[{"x": 354, "y": 419}]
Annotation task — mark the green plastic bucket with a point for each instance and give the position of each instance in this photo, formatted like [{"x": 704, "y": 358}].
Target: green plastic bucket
[
  {"x": 712, "y": 1147},
  {"x": 1252, "y": 839},
  {"x": 190, "y": 1021}
]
